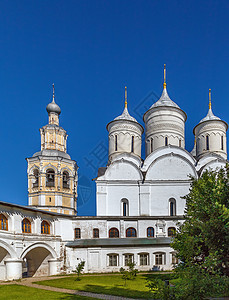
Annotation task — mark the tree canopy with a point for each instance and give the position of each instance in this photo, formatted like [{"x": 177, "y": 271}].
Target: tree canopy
[{"x": 203, "y": 239}]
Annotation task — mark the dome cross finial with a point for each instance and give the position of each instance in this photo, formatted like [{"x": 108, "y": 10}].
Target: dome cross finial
[
  {"x": 210, "y": 99},
  {"x": 53, "y": 93},
  {"x": 125, "y": 97},
  {"x": 164, "y": 84}
]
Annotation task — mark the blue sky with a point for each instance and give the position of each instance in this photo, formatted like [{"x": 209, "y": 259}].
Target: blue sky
[{"x": 91, "y": 50}]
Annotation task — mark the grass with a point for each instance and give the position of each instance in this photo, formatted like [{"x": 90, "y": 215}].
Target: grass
[
  {"x": 109, "y": 284},
  {"x": 19, "y": 292}
]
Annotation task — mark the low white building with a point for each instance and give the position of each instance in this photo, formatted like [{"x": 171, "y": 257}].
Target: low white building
[{"x": 139, "y": 203}]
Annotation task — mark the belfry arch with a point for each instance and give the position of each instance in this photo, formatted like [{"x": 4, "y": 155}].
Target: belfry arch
[{"x": 39, "y": 259}]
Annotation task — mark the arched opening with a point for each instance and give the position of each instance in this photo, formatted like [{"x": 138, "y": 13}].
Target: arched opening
[
  {"x": 4, "y": 254},
  {"x": 222, "y": 146},
  {"x": 172, "y": 207},
  {"x": 45, "y": 227},
  {"x": 150, "y": 232},
  {"x": 66, "y": 180},
  {"x": 36, "y": 260},
  {"x": 26, "y": 226},
  {"x": 50, "y": 178},
  {"x": 131, "y": 232},
  {"x": 179, "y": 142},
  {"x": 3, "y": 222},
  {"x": 124, "y": 207},
  {"x": 36, "y": 174},
  {"x": 171, "y": 231},
  {"x": 166, "y": 141},
  {"x": 113, "y": 233}
]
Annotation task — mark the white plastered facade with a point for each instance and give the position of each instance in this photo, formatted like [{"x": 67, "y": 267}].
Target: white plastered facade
[{"x": 138, "y": 201}]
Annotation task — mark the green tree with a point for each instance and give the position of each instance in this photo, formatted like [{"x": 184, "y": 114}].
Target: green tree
[
  {"x": 203, "y": 239},
  {"x": 79, "y": 269}
]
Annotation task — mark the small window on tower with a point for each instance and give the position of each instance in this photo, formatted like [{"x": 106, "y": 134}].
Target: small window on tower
[
  {"x": 179, "y": 142},
  {"x": 50, "y": 199},
  {"x": 166, "y": 141},
  {"x": 222, "y": 142},
  {"x": 151, "y": 145},
  {"x": 207, "y": 142},
  {"x": 116, "y": 143},
  {"x": 132, "y": 144}
]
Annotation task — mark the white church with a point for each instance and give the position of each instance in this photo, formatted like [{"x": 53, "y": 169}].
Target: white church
[{"x": 139, "y": 202}]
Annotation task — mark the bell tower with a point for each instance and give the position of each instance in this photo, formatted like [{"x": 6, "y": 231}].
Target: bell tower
[{"x": 52, "y": 174}]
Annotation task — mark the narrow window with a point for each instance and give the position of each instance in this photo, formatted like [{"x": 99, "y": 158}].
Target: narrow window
[
  {"x": 3, "y": 222},
  {"x": 116, "y": 143},
  {"x": 26, "y": 226},
  {"x": 166, "y": 141},
  {"x": 144, "y": 259},
  {"x": 50, "y": 178},
  {"x": 95, "y": 233},
  {"x": 77, "y": 233},
  {"x": 172, "y": 207},
  {"x": 132, "y": 144},
  {"x": 150, "y": 232},
  {"x": 151, "y": 145},
  {"x": 207, "y": 142},
  {"x": 179, "y": 142},
  {"x": 124, "y": 209},
  {"x": 45, "y": 227},
  {"x": 65, "y": 180},
  {"x": 50, "y": 199},
  {"x": 222, "y": 142},
  {"x": 171, "y": 231},
  {"x": 113, "y": 233},
  {"x": 113, "y": 260},
  {"x": 131, "y": 232},
  {"x": 128, "y": 258}
]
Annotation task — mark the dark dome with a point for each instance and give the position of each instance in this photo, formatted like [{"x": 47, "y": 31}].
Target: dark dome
[{"x": 53, "y": 108}]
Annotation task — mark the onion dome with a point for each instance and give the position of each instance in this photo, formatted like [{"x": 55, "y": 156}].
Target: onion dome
[
  {"x": 210, "y": 116},
  {"x": 53, "y": 107},
  {"x": 164, "y": 100}
]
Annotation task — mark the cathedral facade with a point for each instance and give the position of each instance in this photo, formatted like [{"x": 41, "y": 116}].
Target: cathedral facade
[{"x": 139, "y": 203}]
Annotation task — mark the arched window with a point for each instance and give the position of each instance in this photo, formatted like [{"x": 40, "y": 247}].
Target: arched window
[
  {"x": 77, "y": 233},
  {"x": 65, "y": 180},
  {"x": 124, "y": 207},
  {"x": 171, "y": 231},
  {"x": 151, "y": 145},
  {"x": 26, "y": 226},
  {"x": 45, "y": 227},
  {"x": 36, "y": 178},
  {"x": 116, "y": 142},
  {"x": 207, "y": 142},
  {"x": 96, "y": 233},
  {"x": 113, "y": 233},
  {"x": 131, "y": 232},
  {"x": 166, "y": 141},
  {"x": 4, "y": 222},
  {"x": 172, "y": 207},
  {"x": 50, "y": 177},
  {"x": 132, "y": 144},
  {"x": 150, "y": 232},
  {"x": 222, "y": 142}
]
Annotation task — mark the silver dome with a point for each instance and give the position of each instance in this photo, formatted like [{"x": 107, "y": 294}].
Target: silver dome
[{"x": 53, "y": 108}]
